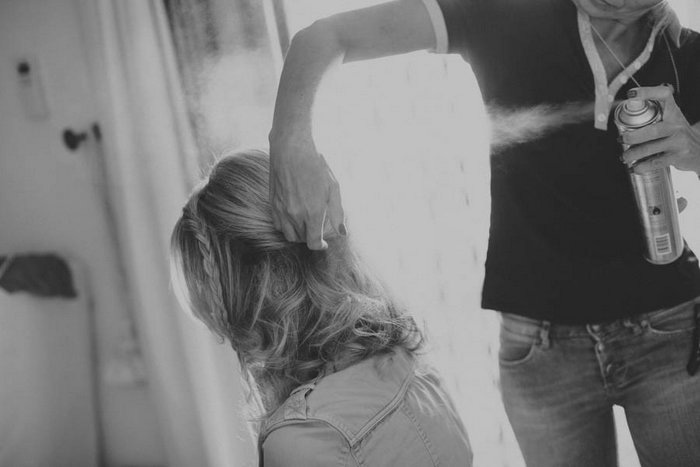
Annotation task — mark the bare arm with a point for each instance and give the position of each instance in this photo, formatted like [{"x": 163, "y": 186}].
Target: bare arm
[{"x": 303, "y": 190}]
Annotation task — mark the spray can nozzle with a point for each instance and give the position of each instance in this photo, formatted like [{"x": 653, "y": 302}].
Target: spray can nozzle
[
  {"x": 635, "y": 106},
  {"x": 637, "y": 113}
]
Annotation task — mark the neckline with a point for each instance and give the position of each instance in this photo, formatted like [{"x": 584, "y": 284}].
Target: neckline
[
  {"x": 606, "y": 89},
  {"x": 596, "y": 62}
]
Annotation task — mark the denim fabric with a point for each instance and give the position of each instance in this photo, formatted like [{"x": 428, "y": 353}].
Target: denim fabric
[
  {"x": 387, "y": 411},
  {"x": 560, "y": 383}
]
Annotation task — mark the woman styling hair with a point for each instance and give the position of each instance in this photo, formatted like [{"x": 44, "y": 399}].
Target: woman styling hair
[{"x": 331, "y": 354}]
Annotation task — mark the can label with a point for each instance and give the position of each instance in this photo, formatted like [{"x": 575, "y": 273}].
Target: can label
[{"x": 656, "y": 204}]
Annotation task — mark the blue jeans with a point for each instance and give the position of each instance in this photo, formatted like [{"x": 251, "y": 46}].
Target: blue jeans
[{"x": 560, "y": 382}]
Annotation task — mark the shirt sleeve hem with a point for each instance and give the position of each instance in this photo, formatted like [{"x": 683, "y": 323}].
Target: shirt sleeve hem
[{"x": 439, "y": 26}]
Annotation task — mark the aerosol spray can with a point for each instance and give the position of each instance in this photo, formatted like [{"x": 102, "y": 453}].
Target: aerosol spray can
[{"x": 653, "y": 190}]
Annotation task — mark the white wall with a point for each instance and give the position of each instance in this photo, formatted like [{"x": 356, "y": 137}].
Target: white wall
[
  {"x": 48, "y": 200},
  {"x": 688, "y": 12},
  {"x": 45, "y": 356}
]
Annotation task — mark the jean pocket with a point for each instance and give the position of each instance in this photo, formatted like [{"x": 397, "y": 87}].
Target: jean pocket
[
  {"x": 672, "y": 321},
  {"x": 517, "y": 343}
]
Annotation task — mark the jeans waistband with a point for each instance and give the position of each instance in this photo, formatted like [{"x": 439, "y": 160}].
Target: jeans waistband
[{"x": 525, "y": 325}]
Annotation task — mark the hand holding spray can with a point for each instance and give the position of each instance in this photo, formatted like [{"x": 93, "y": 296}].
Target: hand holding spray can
[{"x": 653, "y": 190}]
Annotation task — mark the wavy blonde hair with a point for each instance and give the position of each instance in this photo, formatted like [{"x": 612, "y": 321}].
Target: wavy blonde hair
[{"x": 291, "y": 314}]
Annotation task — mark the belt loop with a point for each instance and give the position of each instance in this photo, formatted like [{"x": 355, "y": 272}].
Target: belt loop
[{"x": 544, "y": 334}]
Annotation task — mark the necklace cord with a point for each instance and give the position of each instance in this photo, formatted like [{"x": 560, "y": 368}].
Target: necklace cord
[
  {"x": 673, "y": 63},
  {"x": 668, "y": 47},
  {"x": 614, "y": 55}
]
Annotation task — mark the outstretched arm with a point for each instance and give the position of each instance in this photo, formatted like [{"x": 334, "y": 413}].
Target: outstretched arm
[{"x": 304, "y": 193}]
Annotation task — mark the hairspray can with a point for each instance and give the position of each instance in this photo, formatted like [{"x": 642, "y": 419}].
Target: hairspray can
[{"x": 653, "y": 190}]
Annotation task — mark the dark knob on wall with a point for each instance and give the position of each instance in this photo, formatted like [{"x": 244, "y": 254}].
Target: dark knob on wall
[{"x": 72, "y": 140}]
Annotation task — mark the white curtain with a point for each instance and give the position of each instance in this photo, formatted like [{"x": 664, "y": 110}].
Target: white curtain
[{"x": 151, "y": 161}]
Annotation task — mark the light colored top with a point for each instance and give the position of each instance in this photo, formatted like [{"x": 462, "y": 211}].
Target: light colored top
[{"x": 385, "y": 411}]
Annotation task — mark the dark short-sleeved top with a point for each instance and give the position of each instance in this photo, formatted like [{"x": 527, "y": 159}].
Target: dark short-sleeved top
[{"x": 565, "y": 242}]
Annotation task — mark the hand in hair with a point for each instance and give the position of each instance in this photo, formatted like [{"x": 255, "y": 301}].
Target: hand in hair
[{"x": 305, "y": 196}]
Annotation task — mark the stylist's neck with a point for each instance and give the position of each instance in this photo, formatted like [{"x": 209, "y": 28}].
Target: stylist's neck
[{"x": 618, "y": 30}]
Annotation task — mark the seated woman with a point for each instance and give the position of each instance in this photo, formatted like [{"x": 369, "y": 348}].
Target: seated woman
[{"x": 331, "y": 354}]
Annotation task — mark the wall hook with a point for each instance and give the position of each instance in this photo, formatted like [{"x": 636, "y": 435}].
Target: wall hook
[{"x": 73, "y": 140}]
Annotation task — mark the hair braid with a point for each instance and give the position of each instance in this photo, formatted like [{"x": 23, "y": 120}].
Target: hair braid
[{"x": 202, "y": 232}]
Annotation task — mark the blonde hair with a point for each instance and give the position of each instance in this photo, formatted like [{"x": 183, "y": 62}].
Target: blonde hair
[{"x": 291, "y": 314}]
